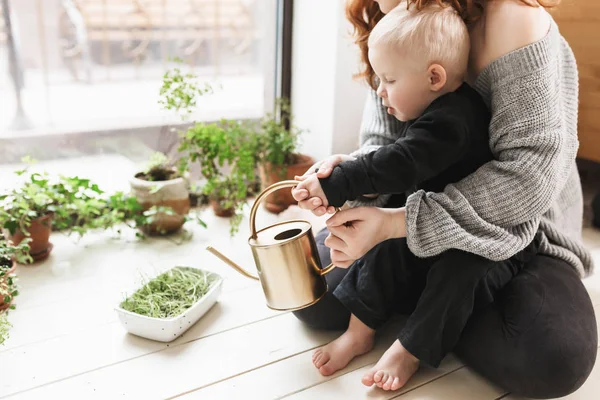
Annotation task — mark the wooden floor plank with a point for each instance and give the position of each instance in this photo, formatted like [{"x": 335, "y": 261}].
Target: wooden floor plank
[
  {"x": 459, "y": 385},
  {"x": 47, "y": 322},
  {"x": 286, "y": 376},
  {"x": 337, "y": 388},
  {"x": 99, "y": 263},
  {"x": 65, "y": 356},
  {"x": 180, "y": 369},
  {"x": 349, "y": 385},
  {"x": 84, "y": 311}
]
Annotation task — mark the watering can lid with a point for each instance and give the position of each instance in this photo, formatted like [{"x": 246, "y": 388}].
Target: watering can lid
[{"x": 280, "y": 233}]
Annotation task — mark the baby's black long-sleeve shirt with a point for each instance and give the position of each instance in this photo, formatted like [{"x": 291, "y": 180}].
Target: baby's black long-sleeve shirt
[{"x": 445, "y": 144}]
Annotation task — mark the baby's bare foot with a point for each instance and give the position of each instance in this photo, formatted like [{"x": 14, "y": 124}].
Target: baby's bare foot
[
  {"x": 393, "y": 369},
  {"x": 337, "y": 354}
]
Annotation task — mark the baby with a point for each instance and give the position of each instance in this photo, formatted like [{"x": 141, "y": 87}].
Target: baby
[{"x": 420, "y": 59}]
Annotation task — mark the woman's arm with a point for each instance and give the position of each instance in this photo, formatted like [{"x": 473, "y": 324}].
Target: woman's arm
[{"x": 495, "y": 212}]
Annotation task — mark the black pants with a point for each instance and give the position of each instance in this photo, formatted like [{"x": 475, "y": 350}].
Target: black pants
[
  {"x": 537, "y": 339},
  {"x": 440, "y": 293}
]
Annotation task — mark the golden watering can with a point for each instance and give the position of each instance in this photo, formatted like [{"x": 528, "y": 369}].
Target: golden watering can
[{"x": 286, "y": 257}]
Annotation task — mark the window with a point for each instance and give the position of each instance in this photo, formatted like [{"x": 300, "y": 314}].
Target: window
[
  {"x": 88, "y": 75},
  {"x": 88, "y": 65}
]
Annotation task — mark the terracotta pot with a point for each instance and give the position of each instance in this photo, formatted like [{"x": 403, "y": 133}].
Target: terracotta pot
[
  {"x": 269, "y": 174},
  {"x": 3, "y": 305},
  {"x": 172, "y": 193},
  {"x": 40, "y": 229},
  {"x": 220, "y": 211}
]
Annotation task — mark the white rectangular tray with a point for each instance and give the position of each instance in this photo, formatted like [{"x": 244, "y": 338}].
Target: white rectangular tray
[{"x": 167, "y": 330}]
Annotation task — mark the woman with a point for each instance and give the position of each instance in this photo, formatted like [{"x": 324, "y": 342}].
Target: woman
[{"x": 539, "y": 337}]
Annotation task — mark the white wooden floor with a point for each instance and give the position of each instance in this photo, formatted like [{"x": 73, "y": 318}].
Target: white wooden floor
[{"x": 68, "y": 344}]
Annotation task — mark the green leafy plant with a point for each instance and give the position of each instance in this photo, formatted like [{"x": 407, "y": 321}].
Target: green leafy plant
[
  {"x": 215, "y": 146},
  {"x": 278, "y": 137},
  {"x": 33, "y": 199},
  {"x": 8, "y": 281},
  {"x": 180, "y": 91},
  {"x": 10, "y": 253},
  {"x": 8, "y": 287},
  {"x": 170, "y": 293},
  {"x": 121, "y": 209},
  {"x": 77, "y": 204},
  {"x": 4, "y": 328}
]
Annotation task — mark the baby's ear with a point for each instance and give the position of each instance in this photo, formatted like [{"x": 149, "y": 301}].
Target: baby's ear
[{"x": 437, "y": 77}]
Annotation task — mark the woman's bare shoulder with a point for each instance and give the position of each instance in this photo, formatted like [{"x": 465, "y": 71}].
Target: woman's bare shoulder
[{"x": 509, "y": 25}]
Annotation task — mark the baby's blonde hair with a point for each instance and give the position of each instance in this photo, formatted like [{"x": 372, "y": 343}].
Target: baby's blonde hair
[{"x": 433, "y": 34}]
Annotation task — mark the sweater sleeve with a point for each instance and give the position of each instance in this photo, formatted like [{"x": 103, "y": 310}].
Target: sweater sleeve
[
  {"x": 496, "y": 211},
  {"x": 433, "y": 143}
]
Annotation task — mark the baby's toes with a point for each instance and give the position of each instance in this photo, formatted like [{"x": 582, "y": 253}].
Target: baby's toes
[
  {"x": 384, "y": 378},
  {"x": 388, "y": 383},
  {"x": 327, "y": 370},
  {"x": 378, "y": 376},
  {"x": 323, "y": 358},
  {"x": 396, "y": 384},
  {"x": 368, "y": 378},
  {"x": 316, "y": 354}
]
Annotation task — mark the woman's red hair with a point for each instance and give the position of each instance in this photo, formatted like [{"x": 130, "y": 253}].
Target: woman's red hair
[{"x": 365, "y": 14}]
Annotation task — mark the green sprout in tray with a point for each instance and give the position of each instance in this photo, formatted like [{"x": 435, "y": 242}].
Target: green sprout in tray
[{"x": 170, "y": 293}]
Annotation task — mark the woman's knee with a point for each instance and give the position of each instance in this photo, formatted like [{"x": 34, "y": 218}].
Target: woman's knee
[
  {"x": 566, "y": 332},
  {"x": 556, "y": 366},
  {"x": 540, "y": 339},
  {"x": 540, "y": 363},
  {"x": 328, "y": 313}
]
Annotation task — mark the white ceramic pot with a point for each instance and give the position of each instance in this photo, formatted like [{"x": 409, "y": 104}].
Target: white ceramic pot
[
  {"x": 172, "y": 193},
  {"x": 167, "y": 330}
]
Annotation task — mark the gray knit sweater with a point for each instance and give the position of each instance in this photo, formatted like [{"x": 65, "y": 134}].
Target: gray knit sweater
[{"x": 531, "y": 188}]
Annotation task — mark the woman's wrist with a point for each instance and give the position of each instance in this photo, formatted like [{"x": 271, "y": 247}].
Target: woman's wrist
[{"x": 396, "y": 223}]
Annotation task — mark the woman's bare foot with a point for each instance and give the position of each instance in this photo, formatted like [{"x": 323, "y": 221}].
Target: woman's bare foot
[
  {"x": 393, "y": 369},
  {"x": 357, "y": 340}
]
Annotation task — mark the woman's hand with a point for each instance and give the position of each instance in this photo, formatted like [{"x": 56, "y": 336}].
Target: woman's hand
[
  {"x": 356, "y": 231},
  {"x": 323, "y": 169}
]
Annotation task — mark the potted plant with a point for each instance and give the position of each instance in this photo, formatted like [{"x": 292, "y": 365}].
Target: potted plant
[
  {"x": 169, "y": 304},
  {"x": 227, "y": 154},
  {"x": 27, "y": 211},
  {"x": 223, "y": 197},
  {"x": 9, "y": 256},
  {"x": 279, "y": 159},
  {"x": 163, "y": 188},
  {"x": 42, "y": 203}
]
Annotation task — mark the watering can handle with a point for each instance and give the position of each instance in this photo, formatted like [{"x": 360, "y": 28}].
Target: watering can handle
[{"x": 273, "y": 188}]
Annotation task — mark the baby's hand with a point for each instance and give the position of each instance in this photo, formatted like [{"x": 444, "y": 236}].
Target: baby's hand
[{"x": 312, "y": 185}]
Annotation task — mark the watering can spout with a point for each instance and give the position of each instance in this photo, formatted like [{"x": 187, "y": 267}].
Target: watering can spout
[{"x": 231, "y": 263}]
